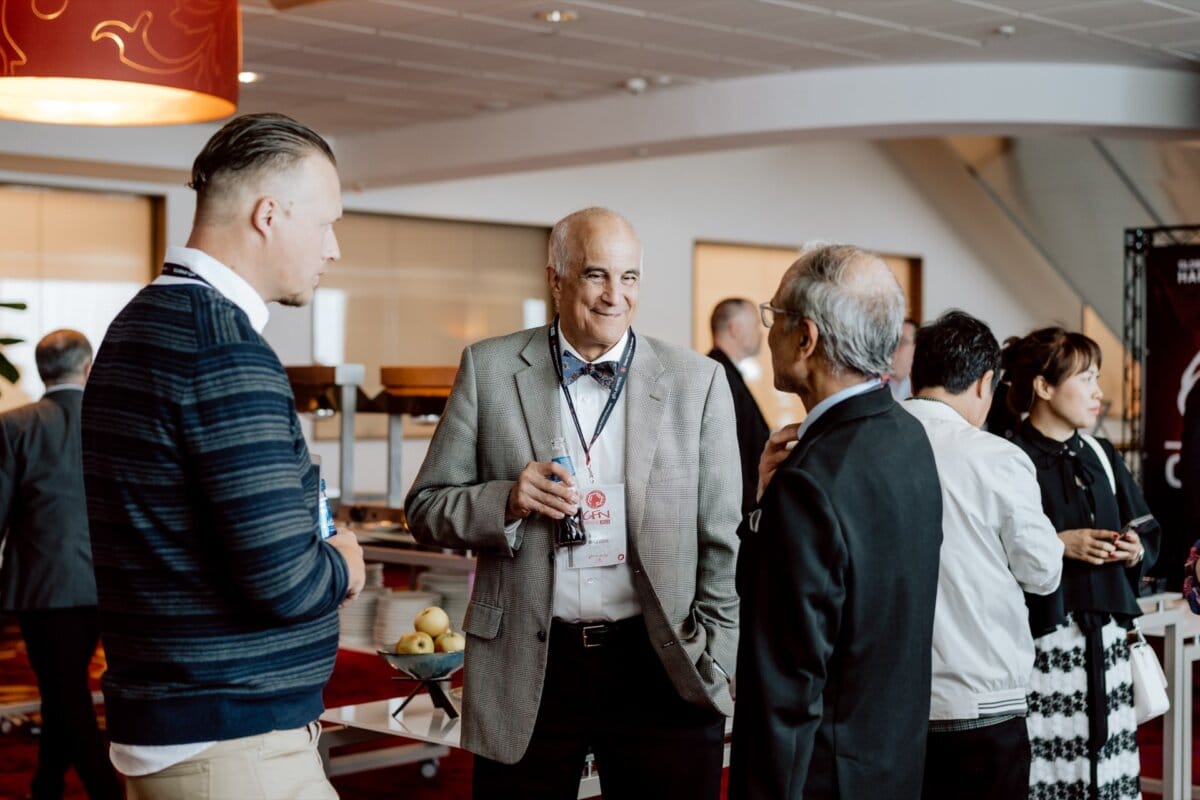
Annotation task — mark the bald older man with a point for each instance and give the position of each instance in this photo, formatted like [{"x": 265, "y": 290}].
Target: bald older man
[
  {"x": 625, "y": 645},
  {"x": 839, "y": 563}
]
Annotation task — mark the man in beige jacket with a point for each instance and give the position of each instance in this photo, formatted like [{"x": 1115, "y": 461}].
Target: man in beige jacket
[{"x": 624, "y": 646}]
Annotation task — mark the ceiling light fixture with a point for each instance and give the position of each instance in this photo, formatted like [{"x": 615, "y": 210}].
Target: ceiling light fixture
[
  {"x": 247, "y": 76},
  {"x": 113, "y": 62},
  {"x": 556, "y": 15}
]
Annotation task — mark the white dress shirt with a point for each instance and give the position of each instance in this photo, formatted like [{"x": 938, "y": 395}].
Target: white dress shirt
[
  {"x": 594, "y": 593},
  {"x": 143, "y": 759},
  {"x": 233, "y": 286},
  {"x": 996, "y": 543}
]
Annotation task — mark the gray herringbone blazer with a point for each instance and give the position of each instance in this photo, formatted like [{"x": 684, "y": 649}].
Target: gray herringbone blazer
[{"x": 682, "y": 496}]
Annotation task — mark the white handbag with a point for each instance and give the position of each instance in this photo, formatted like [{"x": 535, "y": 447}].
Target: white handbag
[{"x": 1149, "y": 683}]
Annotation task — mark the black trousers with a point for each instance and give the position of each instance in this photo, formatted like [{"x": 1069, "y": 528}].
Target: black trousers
[
  {"x": 989, "y": 763},
  {"x": 617, "y": 701},
  {"x": 60, "y": 642}
]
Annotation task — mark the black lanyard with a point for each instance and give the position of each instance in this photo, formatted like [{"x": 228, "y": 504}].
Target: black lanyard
[
  {"x": 614, "y": 393},
  {"x": 180, "y": 271}
]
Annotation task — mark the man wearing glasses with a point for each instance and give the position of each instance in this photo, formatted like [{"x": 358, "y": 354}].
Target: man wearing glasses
[
  {"x": 998, "y": 544},
  {"x": 837, "y": 571}
]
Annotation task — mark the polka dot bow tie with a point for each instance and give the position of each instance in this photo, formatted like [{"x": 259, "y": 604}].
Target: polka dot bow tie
[{"x": 604, "y": 372}]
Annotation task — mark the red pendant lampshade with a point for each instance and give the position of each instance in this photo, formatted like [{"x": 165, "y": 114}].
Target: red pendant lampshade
[{"x": 119, "y": 62}]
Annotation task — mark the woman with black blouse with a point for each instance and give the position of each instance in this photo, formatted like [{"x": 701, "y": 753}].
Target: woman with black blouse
[{"x": 1081, "y": 720}]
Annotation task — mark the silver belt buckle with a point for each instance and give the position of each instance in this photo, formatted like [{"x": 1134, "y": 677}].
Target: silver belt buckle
[{"x": 584, "y": 630}]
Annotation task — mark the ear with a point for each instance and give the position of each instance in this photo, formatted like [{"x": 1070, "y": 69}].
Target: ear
[
  {"x": 984, "y": 383},
  {"x": 554, "y": 282},
  {"x": 263, "y": 216},
  {"x": 809, "y": 335},
  {"x": 1042, "y": 389}
]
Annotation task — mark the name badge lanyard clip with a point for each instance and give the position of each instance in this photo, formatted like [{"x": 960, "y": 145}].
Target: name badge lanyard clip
[{"x": 614, "y": 393}]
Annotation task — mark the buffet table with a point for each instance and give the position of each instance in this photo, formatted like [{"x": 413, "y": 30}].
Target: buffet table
[{"x": 432, "y": 733}]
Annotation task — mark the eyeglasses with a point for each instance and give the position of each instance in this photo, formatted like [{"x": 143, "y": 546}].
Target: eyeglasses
[{"x": 769, "y": 312}]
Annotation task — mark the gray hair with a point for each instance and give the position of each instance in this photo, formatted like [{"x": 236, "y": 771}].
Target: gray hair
[
  {"x": 62, "y": 354},
  {"x": 859, "y": 317},
  {"x": 562, "y": 240}
]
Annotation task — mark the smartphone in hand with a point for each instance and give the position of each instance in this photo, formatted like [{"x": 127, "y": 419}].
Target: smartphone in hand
[{"x": 1140, "y": 525}]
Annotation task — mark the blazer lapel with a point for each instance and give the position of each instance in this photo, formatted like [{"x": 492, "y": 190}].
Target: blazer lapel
[
  {"x": 645, "y": 399},
  {"x": 537, "y": 389}
]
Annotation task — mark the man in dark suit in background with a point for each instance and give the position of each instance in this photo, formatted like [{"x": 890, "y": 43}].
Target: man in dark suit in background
[
  {"x": 46, "y": 576},
  {"x": 839, "y": 563},
  {"x": 737, "y": 336}
]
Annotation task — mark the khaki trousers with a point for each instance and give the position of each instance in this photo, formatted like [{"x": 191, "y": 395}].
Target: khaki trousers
[{"x": 280, "y": 765}]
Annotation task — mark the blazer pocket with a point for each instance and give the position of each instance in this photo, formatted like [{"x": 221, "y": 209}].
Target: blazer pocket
[{"x": 482, "y": 620}]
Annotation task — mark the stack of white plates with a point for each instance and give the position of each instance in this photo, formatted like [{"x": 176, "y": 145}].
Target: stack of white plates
[
  {"x": 374, "y": 575},
  {"x": 453, "y": 588},
  {"x": 357, "y": 619},
  {"x": 396, "y": 611}
]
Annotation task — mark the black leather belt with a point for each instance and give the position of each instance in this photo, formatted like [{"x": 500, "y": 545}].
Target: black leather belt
[{"x": 601, "y": 633}]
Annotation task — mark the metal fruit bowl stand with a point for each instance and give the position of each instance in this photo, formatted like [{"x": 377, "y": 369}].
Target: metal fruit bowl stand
[{"x": 426, "y": 670}]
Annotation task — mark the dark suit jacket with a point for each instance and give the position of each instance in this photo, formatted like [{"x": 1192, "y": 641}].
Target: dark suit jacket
[
  {"x": 752, "y": 430},
  {"x": 838, "y": 583},
  {"x": 48, "y": 555}
]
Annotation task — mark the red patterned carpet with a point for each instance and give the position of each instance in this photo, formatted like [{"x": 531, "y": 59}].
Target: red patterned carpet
[{"x": 357, "y": 678}]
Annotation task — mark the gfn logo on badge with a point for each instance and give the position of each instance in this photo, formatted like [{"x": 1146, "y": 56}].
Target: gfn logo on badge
[{"x": 595, "y": 499}]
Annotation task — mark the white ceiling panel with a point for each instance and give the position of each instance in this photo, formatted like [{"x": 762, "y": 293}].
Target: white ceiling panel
[
  {"x": 1165, "y": 34},
  {"x": 928, "y": 14},
  {"x": 400, "y": 62},
  {"x": 1113, "y": 15},
  {"x": 360, "y": 12},
  {"x": 904, "y": 47},
  {"x": 824, "y": 29}
]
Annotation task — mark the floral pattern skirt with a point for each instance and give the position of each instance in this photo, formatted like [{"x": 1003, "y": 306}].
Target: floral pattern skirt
[{"x": 1058, "y": 720}]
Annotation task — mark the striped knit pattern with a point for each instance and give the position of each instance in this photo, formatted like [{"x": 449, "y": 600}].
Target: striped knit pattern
[
  {"x": 1058, "y": 722},
  {"x": 218, "y": 599}
]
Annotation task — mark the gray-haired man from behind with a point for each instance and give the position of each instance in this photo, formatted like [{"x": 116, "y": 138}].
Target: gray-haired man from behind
[
  {"x": 838, "y": 568},
  {"x": 998, "y": 544}
]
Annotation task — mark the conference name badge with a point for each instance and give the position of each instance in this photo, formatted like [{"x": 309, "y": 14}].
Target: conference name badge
[{"x": 603, "y": 511}]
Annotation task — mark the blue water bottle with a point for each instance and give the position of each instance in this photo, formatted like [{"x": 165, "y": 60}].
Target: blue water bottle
[
  {"x": 324, "y": 516},
  {"x": 559, "y": 455},
  {"x": 570, "y": 532}
]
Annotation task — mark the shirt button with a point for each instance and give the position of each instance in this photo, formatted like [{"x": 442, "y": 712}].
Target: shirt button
[
  {"x": 541, "y": 636},
  {"x": 590, "y": 581}
]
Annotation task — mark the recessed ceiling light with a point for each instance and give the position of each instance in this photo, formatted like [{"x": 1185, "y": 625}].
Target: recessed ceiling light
[
  {"x": 249, "y": 77},
  {"x": 1006, "y": 30},
  {"x": 556, "y": 15}
]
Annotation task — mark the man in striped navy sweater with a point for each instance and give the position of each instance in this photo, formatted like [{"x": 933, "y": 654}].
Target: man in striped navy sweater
[{"x": 218, "y": 598}]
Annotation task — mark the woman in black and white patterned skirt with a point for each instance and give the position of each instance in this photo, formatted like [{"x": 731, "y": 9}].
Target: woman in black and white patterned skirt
[{"x": 1081, "y": 720}]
